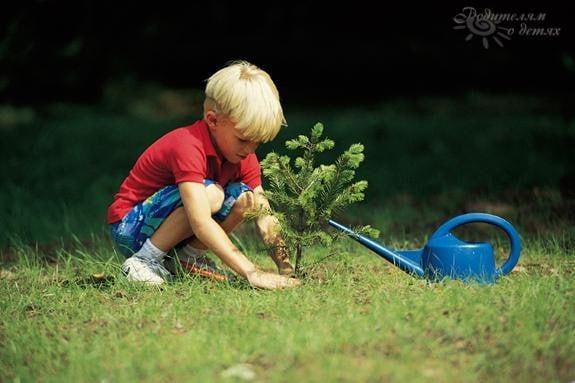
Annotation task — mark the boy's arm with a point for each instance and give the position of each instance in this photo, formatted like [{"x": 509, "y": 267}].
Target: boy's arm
[
  {"x": 196, "y": 204},
  {"x": 269, "y": 229}
]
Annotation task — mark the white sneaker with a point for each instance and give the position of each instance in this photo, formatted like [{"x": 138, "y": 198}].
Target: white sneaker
[{"x": 145, "y": 270}]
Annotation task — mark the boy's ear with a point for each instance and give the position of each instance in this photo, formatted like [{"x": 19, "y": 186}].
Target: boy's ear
[{"x": 211, "y": 118}]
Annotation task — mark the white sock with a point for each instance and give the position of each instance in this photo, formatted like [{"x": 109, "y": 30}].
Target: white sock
[
  {"x": 193, "y": 253},
  {"x": 150, "y": 251}
]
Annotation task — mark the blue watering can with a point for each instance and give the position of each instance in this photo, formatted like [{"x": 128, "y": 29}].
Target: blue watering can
[{"x": 446, "y": 255}]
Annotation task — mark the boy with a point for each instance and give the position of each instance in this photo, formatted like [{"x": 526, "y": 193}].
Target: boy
[{"x": 193, "y": 186}]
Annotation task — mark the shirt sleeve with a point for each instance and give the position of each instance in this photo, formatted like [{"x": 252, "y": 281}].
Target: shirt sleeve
[
  {"x": 187, "y": 161},
  {"x": 251, "y": 173}
]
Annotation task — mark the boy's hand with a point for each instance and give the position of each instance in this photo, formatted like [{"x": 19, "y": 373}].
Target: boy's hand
[{"x": 264, "y": 280}]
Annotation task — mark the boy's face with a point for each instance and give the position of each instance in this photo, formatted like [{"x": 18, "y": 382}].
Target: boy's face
[{"x": 228, "y": 140}]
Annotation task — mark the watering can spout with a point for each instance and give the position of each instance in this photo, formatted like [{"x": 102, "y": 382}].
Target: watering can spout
[{"x": 409, "y": 261}]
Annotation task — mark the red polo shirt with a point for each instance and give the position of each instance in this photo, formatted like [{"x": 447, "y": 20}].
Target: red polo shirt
[{"x": 184, "y": 154}]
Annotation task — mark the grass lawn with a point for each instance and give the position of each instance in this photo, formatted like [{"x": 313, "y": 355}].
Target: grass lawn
[{"x": 355, "y": 318}]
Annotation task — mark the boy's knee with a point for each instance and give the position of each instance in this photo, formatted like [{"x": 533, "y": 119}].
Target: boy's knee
[
  {"x": 245, "y": 202},
  {"x": 215, "y": 196}
]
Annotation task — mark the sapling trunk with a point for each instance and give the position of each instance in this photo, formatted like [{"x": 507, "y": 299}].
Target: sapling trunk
[{"x": 298, "y": 255}]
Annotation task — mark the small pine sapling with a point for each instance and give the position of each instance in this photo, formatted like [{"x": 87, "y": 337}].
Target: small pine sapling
[{"x": 305, "y": 197}]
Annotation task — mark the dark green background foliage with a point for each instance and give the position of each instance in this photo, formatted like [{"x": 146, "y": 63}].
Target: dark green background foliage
[{"x": 63, "y": 163}]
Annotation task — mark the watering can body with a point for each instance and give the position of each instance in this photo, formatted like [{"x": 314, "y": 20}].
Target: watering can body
[{"x": 446, "y": 255}]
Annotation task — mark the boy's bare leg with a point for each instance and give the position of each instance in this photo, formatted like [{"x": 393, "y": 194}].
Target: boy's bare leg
[
  {"x": 244, "y": 203},
  {"x": 172, "y": 231},
  {"x": 176, "y": 226}
]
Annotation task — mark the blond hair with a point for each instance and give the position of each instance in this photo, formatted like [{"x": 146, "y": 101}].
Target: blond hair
[{"x": 248, "y": 96}]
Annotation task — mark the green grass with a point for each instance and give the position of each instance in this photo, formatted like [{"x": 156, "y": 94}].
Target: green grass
[{"x": 355, "y": 318}]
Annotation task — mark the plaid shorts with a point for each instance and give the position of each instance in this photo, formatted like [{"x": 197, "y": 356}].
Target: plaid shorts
[{"x": 143, "y": 220}]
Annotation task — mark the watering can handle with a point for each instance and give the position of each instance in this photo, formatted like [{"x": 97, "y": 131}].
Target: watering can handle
[{"x": 493, "y": 220}]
